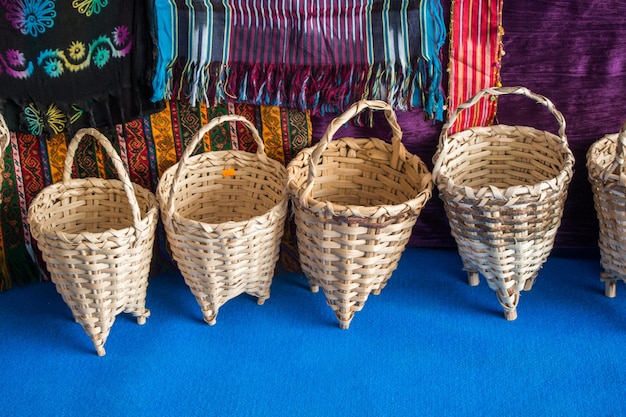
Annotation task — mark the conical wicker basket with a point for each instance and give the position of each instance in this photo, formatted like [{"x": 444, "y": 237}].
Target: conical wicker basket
[
  {"x": 224, "y": 215},
  {"x": 607, "y": 174},
  {"x": 355, "y": 201},
  {"x": 96, "y": 237},
  {"x": 503, "y": 189}
]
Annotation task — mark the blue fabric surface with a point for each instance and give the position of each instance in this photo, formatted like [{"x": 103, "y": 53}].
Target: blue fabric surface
[{"x": 429, "y": 344}]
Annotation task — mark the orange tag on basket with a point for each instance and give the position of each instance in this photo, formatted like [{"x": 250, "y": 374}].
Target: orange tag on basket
[{"x": 228, "y": 172}]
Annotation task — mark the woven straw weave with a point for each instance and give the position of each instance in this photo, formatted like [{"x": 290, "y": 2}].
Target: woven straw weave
[
  {"x": 503, "y": 189},
  {"x": 607, "y": 175},
  {"x": 224, "y": 214},
  {"x": 96, "y": 237},
  {"x": 356, "y": 201},
  {"x": 4, "y": 142}
]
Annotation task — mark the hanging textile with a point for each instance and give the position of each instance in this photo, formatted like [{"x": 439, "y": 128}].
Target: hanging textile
[
  {"x": 70, "y": 64},
  {"x": 475, "y": 54},
  {"x": 147, "y": 146},
  {"x": 317, "y": 55}
]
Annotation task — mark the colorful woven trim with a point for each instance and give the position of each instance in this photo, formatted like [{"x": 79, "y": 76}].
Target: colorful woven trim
[
  {"x": 310, "y": 55},
  {"x": 147, "y": 146},
  {"x": 475, "y": 55}
]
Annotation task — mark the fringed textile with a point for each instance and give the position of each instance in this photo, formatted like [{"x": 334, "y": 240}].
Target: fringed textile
[
  {"x": 147, "y": 146},
  {"x": 318, "y": 55},
  {"x": 474, "y": 58},
  {"x": 71, "y": 64}
]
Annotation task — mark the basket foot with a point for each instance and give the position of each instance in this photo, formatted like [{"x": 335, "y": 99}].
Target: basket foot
[
  {"x": 210, "y": 317},
  {"x": 473, "y": 279},
  {"x": 610, "y": 289},
  {"x": 345, "y": 318},
  {"x": 510, "y": 315},
  {"x": 100, "y": 350},
  {"x": 141, "y": 318},
  {"x": 314, "y": 288},
  {"x": 261, "y": 300}
]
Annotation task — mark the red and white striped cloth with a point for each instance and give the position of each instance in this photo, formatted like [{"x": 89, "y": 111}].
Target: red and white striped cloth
[{"x": 474, "y": 63}]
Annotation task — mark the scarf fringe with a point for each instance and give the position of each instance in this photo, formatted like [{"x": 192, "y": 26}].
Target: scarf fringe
[{"x": 320, "y": 90}]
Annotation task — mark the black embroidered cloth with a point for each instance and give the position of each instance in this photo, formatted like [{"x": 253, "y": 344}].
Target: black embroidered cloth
[{"x": 72, "y": 63}]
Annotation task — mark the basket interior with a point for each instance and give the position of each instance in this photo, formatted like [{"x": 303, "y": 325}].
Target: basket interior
[
  {"x": 207, "y": 196},
  {"x": 356, "y": 177},
  {"x": 91, "y": 210},
  {"x": 503, "y": 156}
]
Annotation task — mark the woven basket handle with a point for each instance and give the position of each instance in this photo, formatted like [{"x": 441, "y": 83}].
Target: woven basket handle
[
  {"x": 197, "y": 138},
  {"x": 618, "y": 167},
  {"x": 117, "y": 163},
  {"x": 339, "y": 121},
  {"x": 5, "y": 137},
  {"x": 496, "y": 91}
]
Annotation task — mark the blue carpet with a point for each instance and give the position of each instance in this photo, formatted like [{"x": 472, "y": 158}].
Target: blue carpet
[{"x": 428, "y": 345}]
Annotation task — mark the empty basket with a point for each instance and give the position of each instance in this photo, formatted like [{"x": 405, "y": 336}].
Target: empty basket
[
  {"x": 224, "y": 215},
  {"x": 503, "y": 189},
  {"x": 607, "y": 175},
  {"x": 96, "y": 236},
  {"x": 355, "y": 201}
]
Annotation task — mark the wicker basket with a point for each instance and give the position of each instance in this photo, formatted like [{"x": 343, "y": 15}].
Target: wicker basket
[
  {"x": 96, "y": 237},
  {"x": 607, "y": 174},
  {"x": 355, "y": 201},
  {"x": 224, "y": 214},
  {"x": 503, "y": 189},
  {"x": 5, "y": 137}
]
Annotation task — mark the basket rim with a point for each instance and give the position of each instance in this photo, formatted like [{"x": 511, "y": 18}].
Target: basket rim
[
  {"x": 353, "y": 210},
  {"x": 442, "y": 180},
  {"x": 35, "y": 217}
]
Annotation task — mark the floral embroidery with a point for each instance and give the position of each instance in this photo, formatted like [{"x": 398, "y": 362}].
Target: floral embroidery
[
  {"x": 54, "y": 118},
  {"x": 101, "y": 57},
  {"x": 89, "y": 7},
  {"x": 77, "y": 50},
  {"x": 34, "y": 120},
  {"x": 14, "y": 64},
  {"x": 31, "y": 17},
  {"x": 121, "y": 35},
  {"x": 53, "y": 68},
  {"x": 99, "y": 52}
]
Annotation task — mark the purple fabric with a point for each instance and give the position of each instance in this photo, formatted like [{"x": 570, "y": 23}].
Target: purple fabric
[{"x": 572, "y": 52}]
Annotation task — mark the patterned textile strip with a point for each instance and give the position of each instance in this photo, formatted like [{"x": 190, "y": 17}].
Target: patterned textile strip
[
  {"x": 475, "y": 54},
  {"x": 311, "y": 54}
]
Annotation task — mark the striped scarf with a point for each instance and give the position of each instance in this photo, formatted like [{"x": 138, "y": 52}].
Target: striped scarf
[{"x": 317, "y": 55}]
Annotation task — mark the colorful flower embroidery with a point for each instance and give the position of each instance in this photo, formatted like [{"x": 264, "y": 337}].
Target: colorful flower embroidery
[
  {"x": 15, "y": 58},
  {"x": 121, "y": 35},
  {"x": 55, "y": 119},
  {"x": 89, "y": 7},
  {"x": 77, "y": 50},
  {"x": 34, "y": 120},
  {"x": 31, "y": 17},
  {"x": 53, "y": 67},
  {"x": 101, "y": 57}
]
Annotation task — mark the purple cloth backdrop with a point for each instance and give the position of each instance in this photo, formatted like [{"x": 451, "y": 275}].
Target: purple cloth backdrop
[{"x": 572, "y": 52}]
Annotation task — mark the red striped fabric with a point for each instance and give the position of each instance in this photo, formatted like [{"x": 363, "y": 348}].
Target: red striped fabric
[{"x": 475, "y": 54}]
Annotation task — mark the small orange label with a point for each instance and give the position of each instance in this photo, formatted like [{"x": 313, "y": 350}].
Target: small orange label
[{"x": 228, "y": 172}]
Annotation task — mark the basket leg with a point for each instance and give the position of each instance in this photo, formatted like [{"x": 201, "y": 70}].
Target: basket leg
[
  {"x": 210, "y": 316},
  {"x": 344, "y": 317},
  {"x": 473, "y": 279},
  {"x": 509, "y": 303},
  {"x": 610, "y": 288},
  {"x": 528, "y": 284}
]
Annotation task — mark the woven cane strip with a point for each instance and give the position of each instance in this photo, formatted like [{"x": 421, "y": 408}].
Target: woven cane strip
[
  {"x": 96, "y": 237},
  {"x": 4, "y": 142},
  {"x": 224, "y": 230},
  {"x": 504, "y": 189},
  {"x": 605, "y": 167},
  {"x": 356, "y": 201}
]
